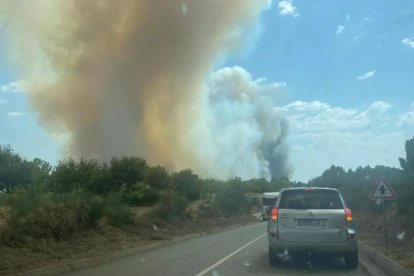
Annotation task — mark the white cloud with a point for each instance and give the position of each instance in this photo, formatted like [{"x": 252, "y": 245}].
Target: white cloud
[
  {"x": 320, "y": 117},
  {"x": 407, "y": 118},
  {"x": 379, "y": 106},
  {"x": 347, "y": 17},
  {"x": 340, "y": 29},
  {"x": 322, "y": 134},
  {"x": 286, "y": 7},
  {"x": 15, "y": 114},
  {"x": 367, "y": 18},
  {"x": 2, "y": 101},
  {"x": 367, "y": 75},
  {"x": 409, "y": 42},
  {"x": 358, "y": 36},
  {"x": 14, "y": 87}
]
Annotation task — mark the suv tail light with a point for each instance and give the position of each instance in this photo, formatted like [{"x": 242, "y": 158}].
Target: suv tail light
[
  {"x": 275, "y": 213},
  {"x": 348, "y": 215}
]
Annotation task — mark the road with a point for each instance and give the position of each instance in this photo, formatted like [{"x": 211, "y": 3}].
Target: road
[{"x": 239, "y": 251}]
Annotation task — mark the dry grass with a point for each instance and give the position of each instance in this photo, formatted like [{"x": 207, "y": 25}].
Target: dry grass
[
  {"x": 371, "y": 232},
  {"x": 3, "y": 212},
  {"x": 104, "y": 240}
]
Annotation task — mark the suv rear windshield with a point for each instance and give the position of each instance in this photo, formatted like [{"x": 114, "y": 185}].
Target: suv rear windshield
[
  {"x": 269, "y": 201},
  {"x": 310, "y": 199}
]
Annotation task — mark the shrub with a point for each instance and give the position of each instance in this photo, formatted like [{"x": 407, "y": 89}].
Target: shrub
[
  {"x": 187, "y": 184},
  {"x": 94, "y": 206},
  {"x": 255, "y": 201},
  {"x": 116, "y": 211},
  {"x": 139, "y": 194},
  {"x": 405, "y": 200},
  {"x": 49, "y": 215},
  {"x": 127, "y": 170},
  {"x": 171, "y": 206},
  {"x": 232, "y": 199},
  {"x": 158, "y": 178},
  {"x": 207, "y": 210}
]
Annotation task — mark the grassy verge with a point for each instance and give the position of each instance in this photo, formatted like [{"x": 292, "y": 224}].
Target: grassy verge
[
  {"x": 37, "y": 228},
  {"x": 400, "y": 235},
  {"x": 106, "y": 239}
]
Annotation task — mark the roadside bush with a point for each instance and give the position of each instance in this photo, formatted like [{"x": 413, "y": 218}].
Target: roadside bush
[
  {"x": 187, "y": 184},
  {"x": 255, "y": 201},
  {"x": 232, "y": 199},
  {"x": 50, "y": 215},
  {"x": 208, "y": 211},
  {"x": 355, "y": 198},
  {"x": 139, "y": 194},
  {"x": 405, "y": 200},
  {"x": 3, "y": 199},
  {"x": 116, "y": 211},
  {"x": 94, "y": 206},
  {"x": 171, "y": 206}
]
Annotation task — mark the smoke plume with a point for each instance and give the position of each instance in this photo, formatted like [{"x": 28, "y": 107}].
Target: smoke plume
[
  {"x": 247, "y": 133},
  {"x": 129, "y": 78}
]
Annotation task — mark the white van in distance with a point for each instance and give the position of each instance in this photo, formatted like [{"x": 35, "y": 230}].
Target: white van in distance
[{"x": 268, "y": 202}]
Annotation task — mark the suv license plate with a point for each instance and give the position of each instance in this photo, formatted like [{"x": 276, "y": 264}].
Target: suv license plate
[{"x": 312, "y": 222}]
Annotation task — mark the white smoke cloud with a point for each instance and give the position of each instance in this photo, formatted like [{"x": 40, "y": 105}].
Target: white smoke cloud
[{"x": 245, "y": 133}]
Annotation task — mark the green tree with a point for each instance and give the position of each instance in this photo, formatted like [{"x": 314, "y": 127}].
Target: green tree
[
  {"x": 139, "y": 194},
  {"x": 407, "y": 164},
  {"x": 18, "y": 172},
  {"x": 127, "y": 170},
  {"x": 232, "y": 199},
  {"x": 40, "y": 171},
  {"x": 93, "y": 176},
  {"x": 187, "y": 183},
  {"x": 158, "y": 178},
  {"x": 210, "y": 186},
  {"x": 65, "y": 177},
  {"x": 334, "y": 177},
  {"x": 406, "y": 205},
  {"x": 279, "y": 184}
]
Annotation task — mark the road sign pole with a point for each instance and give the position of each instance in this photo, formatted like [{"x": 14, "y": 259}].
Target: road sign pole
[
  {"x": 383, "y": 191},
  {"x": 385, "y": 223}
]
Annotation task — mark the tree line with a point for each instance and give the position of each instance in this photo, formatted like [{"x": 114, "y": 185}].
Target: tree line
[
  {"x": 355, "y": 185},
  {"x": 45, "y": 201},
  {"x": 41, "y": 198},
  {"x": 140, "y": 182}
]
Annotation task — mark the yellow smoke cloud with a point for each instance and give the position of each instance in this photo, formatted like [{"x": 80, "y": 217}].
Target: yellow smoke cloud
[{"x": 125, "y": 77}]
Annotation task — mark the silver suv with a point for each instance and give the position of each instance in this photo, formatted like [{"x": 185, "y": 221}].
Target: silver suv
[{"x": 312, "y": 220}]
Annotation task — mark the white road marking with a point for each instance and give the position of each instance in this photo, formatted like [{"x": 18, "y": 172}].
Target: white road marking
[{"x": 229, "y": 256}]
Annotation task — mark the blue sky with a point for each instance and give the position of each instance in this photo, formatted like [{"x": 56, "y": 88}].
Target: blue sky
[{"x": 348, "y": 66}]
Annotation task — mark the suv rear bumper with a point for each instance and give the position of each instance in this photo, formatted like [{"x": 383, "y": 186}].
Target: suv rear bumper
[{"x": 331, "y": 247}]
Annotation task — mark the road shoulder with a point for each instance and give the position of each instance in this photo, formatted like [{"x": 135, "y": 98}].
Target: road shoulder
[
  {"x": 79, "y": 264},
  {"x": 377, "y": 263}
]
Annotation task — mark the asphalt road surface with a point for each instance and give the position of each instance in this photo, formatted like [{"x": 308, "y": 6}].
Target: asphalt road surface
[{"x": 239, "y": 251}]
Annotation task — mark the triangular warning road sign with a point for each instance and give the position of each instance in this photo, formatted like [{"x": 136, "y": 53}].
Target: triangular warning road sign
[{"x": 382, "y": 190}]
